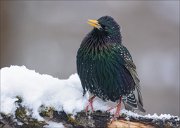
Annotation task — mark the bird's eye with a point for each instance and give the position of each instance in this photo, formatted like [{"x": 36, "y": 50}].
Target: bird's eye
[{"x": 105, "y": 28}]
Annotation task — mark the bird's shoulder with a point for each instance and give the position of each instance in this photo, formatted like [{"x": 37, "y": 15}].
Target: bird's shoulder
[
  {"x": 127, "y": 61},
  {"x": 124, "y": 54}
]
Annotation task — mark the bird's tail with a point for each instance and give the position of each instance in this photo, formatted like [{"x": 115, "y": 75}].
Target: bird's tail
[{"x": 131, "y": 103}]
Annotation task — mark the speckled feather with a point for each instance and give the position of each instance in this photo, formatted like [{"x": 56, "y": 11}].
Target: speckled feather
[{"x": 106, "y": 68}]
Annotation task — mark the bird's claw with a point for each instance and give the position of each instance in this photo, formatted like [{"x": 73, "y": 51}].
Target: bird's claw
[
  {"x": 90, "y": 104},
  {"x": 118, "y": 108}
]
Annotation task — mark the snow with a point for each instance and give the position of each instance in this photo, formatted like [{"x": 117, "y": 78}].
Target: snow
[
  {"x": 148, "y": 116},
  {"x": 40, "y": 89},
  {"x": 37, "y": 90},
  {"x": 162, "y": 116},
  {"x": 54, "y": 125}
]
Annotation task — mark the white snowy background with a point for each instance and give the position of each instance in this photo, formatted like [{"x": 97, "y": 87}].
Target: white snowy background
[{"x": 45, "y": 36}]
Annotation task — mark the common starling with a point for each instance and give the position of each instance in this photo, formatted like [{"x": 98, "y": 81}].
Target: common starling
[{"x": 106, "y": 68}]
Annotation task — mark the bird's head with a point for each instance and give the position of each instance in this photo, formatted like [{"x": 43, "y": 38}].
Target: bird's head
[{"x": 106, "y": 25}]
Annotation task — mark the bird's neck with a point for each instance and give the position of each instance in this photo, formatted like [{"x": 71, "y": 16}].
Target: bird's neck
[
  {"x": 98, "y": 42},
  {"x": 101, "y": 38}
]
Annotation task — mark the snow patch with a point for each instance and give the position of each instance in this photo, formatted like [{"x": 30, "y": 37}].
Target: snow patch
[
  {"x": 40, "y": 89},
  {"x": 37, "y": 90},
  {"x": 54, "y": 125},
  {"x": 148, "y": 116}
]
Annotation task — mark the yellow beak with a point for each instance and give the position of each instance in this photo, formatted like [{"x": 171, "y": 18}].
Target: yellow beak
[{"x": 94, "y": 23}]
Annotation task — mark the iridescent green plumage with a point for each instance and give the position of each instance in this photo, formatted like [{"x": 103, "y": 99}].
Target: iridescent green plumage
[{"x": 105, "y": 66}]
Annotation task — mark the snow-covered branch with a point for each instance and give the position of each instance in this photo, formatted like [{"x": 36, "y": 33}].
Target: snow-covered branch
[{"x": 30, "y": 99}]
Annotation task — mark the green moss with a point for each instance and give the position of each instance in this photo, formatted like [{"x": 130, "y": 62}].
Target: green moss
[
  {"x": 20, "y": 114},
  {"x": 25, "y": 116},
  {"x": 46, "y": 111},
  {"x": 71, "y": 120}
]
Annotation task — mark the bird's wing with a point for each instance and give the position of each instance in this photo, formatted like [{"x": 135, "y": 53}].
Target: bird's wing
[
  {"x": 132, "y": 69},
  {"x": 80, "y": 70},
  {"x": 131, "y": 99}
]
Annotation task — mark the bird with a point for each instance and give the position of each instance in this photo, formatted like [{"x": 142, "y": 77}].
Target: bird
[{"x": 106, "y": 68}]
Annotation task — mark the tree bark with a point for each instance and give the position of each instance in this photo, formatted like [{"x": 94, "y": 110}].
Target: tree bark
[{"x": 96, "y": 119}]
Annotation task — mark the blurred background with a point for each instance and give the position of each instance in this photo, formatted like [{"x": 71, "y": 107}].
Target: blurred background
[{"x": 45, "y": 36}]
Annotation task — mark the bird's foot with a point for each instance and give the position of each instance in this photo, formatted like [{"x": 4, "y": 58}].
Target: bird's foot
[
  {"x": 118, "y": 108},
  {"x": 90, "y": 104},
  {"x": 117, "y": 113}
]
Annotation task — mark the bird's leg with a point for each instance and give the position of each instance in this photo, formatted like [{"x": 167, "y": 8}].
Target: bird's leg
[
  {"x": 118, "y": 108},
  {"x": 117, "y": 113},
  {"x": 90, "y": 103}
]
